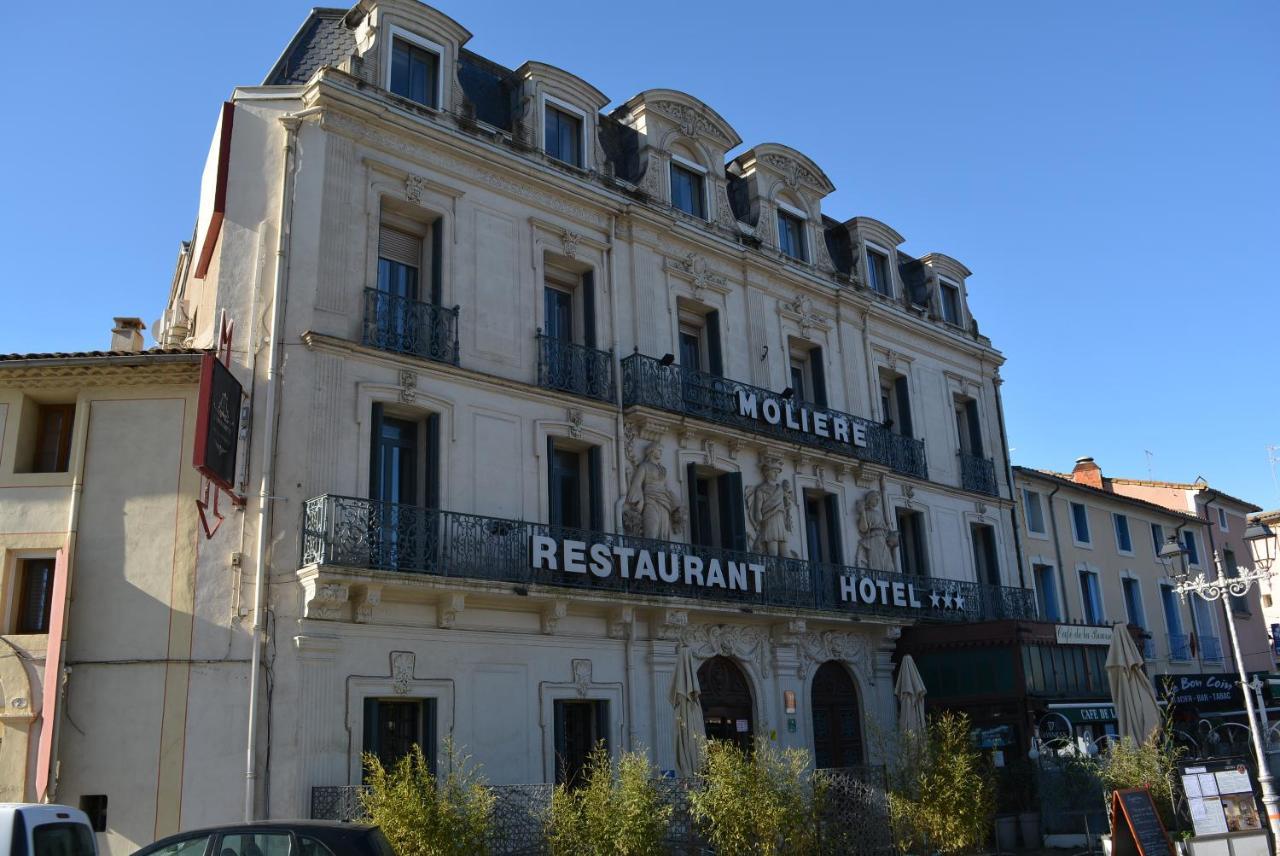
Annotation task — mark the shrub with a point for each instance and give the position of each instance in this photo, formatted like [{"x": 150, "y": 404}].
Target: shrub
[
  {"x": 1151, "y": 764},
  {"x": 617, "y": 811},
  {"x": 941, "y": 794},
  {"x": 759, "y": 803},
  {"x": 422, "y": 816}
]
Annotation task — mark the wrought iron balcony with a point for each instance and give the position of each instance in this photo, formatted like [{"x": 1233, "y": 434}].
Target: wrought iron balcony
[
  {"x": 1148, "y": 648},
  {"x": 1179, "y": 647},
  {"x": 977, "y": 474},
  {"x": 647, "y": 382},
  {"x": 393, "y": 323},
  {"x": 1210, "y": 649},
  {"x": 366, "y": 534},
  {"x": 576, "y": 369}
]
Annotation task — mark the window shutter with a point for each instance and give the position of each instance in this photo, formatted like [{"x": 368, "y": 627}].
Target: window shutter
[
  {"x": 558, "y": 727},
  {"x": 553, "y": 493},
  {"x": 595, "y": 490},
  {"x": 602, "y": 722},
  {"x": 375, "y": 456},
  {"x": 833, "y": 528},
  {"x": 714, "y": 359},
  {"x": 429, "y": 732},
  {"x": 733, "y": 513},
  {"x": 975, "y": 430},
  {"x": 589, "y": 309},
  {"x": 904, "y": 406},
  {"x": 400, "y": 246},
  {"x": 371, "y": 726},
  {"x": 431, "y": 461},
  {"x": 691, "y": 480},
  {"x": 818, "y": 376},
  {"x": 437, "y": 262}
]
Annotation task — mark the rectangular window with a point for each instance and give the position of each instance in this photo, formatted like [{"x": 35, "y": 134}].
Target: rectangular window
[
  {"x": 1133, "y": 602},
  {"x": 688, "y": 191},
  {"x": 1207, "y": 642},
  {"x": 1091, "y": 597},
  {"x": 985, "y": 561},
  {"x": 718, "y": 517},
  {"x": 558, "y": 308},
  {"x": 1222, "y": 520},
  {"x": 1034, "y": 511},
  {"x": 822, "y": 528},
  {"x": 1080, "y": 523},
  {"x": 950, "y": 303},
  {"x": 35, "y": 595},
  {"x": 911, "y": 543},
  {"x": 1192, "y": 545},
  {"x": 393, "y": 726},
  {"x": 53, "y": 438},
  {"x": 1157, "y": 538},
  {"x": 808, "y": 379},
  {"x": 699, "y": 341},
  {"x": 1124, "y": 543},
  {"x": 563, "y": 136},
  {"x": 579, "y": 726},
  {"x": 968, "y": 427},
  {"x": 574, "y": 489},
  {"x": 895, "y": 404},
  {"x": 1047, "y": 592},
  {"x": 791, "y": 235},
  {"x": 878, "y": 272},
  {"x": 415, "y": 73}
]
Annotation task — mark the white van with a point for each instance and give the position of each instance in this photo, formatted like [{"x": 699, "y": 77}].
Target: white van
[{"x": 30, "y": 829}]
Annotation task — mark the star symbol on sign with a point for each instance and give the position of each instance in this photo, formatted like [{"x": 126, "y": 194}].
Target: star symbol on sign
[
  {"x": 946, "y": 599},
  {"x": 959, "y": 601},
  {"x": 934, "y": 599}
]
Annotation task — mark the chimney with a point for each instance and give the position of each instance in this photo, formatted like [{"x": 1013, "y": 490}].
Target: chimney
[
  {"x": 1088, "y": 473},
  {"x": 127, "y": 335}
]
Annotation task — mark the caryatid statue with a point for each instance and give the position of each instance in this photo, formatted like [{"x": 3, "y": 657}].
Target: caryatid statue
[
  {"x": 649, "y": 501},
  {"x": 769, "y": 509},
  {"x": 876, "y": 541}
]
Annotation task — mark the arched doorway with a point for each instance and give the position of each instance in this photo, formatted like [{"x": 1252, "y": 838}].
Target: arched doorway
[
  {"x": 726, "y": 702},
  {"x": 837, "y": 719}
]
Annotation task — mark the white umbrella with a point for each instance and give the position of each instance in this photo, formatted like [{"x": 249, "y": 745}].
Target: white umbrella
[
  {"x": 1137, "y": 714},
  {"x": 910, "y": 692},
  {"x": 686, "y": 701}
]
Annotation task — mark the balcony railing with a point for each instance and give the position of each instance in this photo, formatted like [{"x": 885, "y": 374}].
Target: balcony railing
[
  {"x": 1148, "y": 648},
  {"x": 1179, "y": 647},
  {"x": 647, "y": 382},
  {"x": 1210, "y": 649},
  {"x": 366, "y": 534},
  {"x": 576, "y": 369},
  {"x": 393, "y": 323},
  {"x": 977, "y": 474}
]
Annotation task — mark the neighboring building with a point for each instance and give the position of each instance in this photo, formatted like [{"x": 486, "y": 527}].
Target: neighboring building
[{"x": 1270, "y": 593}]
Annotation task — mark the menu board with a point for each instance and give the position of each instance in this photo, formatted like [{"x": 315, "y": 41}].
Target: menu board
[
  {"x": 1220, "y": 798},
  {"x": 1136, "y": 827}
]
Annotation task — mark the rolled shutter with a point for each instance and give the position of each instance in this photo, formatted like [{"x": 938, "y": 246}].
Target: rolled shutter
[
  {"x": 588, "y": 309},
  {"x": 715, "y": 362},
  {"x": 398, "y": 246},
  {"x": 901, "y": 392},
  {"x": 819, "y": 377}
]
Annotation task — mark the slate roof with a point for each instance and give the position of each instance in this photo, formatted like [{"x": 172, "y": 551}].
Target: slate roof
[
  {"x": 839, "y": 245},
  {"x": 323, "y": 40},
  {"x": 621, "y": 144},
  {"x": 914, "y": 279},
  {"x": 487, "y": 85}
]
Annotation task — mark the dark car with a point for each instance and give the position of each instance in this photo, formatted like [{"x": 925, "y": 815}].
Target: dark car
[{"x": 275, "y": 838}]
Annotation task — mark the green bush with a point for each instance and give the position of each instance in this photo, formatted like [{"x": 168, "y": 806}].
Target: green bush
[
  {"x": 616, "y": 811},
  {"x": 941, "y": 794},
  {"x": 1152, "y": 764},
  {"x": 758, "y": 803},
  {"x": 422, "y": 816}
]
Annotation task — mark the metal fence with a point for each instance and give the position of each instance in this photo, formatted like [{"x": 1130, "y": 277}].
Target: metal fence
[
  {"x": 394, "y": 323},
  {"x": 576, "y": 369}
]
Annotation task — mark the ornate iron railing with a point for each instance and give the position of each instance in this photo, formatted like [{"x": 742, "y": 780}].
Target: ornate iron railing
[
  {"x": 977, "y": 474},
  {"x": 647, "y": 382},
  {"x": 576, "y": 369},
  {"x": 1210, "y": 649},
  {"x": 1148, "y": 648},
  {"x": 393, "y": 323},
  {"x": 362, "y": 533},
  {"x": 1179, "y": 647}
]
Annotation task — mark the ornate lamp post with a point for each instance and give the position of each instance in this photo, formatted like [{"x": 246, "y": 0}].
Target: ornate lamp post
[{"x": 1262, "y": 546}]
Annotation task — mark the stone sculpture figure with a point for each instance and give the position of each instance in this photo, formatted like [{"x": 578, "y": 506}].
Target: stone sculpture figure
[
  {"x": 769, "y": 510},
  {"x": 876, "y": 541},
  {"x": 652, "y": 509}
]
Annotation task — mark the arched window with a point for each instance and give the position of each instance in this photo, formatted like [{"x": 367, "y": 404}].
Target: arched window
[
  {"x": 726, "y": 702},
  {"x": 837, "y": 718}
]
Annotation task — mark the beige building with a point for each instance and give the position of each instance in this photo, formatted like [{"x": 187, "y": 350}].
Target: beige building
[{"x": 1270, "y": 592}]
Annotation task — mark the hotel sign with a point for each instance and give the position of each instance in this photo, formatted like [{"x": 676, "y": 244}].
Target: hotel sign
[{"x": 817, "y": 423}]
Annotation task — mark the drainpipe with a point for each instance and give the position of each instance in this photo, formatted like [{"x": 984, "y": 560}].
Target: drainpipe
[
  {"x": 265, "y": 492},
  {"x": 1057, "y": 552},
  {"x": 1008, "y": 474}
]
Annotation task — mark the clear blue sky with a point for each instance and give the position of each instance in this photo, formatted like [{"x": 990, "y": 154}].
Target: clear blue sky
[{"x": 1109, "y": 171}]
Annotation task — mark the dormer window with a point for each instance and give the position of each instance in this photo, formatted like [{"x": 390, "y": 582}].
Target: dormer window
[
  {"x": 688, "y": 187},
  {"x": 414, "y": 70},
  {"x": 562, "y": 133},
  {"x": 950, "y": 295},
  {"x": 878, "y": 272},
  {"x": 791, "y": 233}
]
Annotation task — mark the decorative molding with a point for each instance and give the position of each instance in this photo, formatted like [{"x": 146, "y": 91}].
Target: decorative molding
[
  {"x": 574, "y": 417},
  {"x": 402, "y": 663},
  {"x": 368, "y": 597},
  {"x": 852, "y": 649},
  {"x": 413, "y": 186},
  {"x": 800, "y": 310},
  {"x": 622, "y": 622},
  {"x": 745, "y": 643},
  {"x": 795, "y": 174},
  {"x": 724, "y": 211},
  {"x": 552, "y": 613},
  {"x": 582, "y": 676},
  {"x": 448, "y": 609},
  {"x": 692, "y": 122},
  {"x": 408, "y": 386},
  {"x": 325, "y": 601},
  {"x": 734, "y": 445},
  {"x": 671, "y": 623},
  {"x": 569, "y": 243},
  {"x": 694, "y": 268}
]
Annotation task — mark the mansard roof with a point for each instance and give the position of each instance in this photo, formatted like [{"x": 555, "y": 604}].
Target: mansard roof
[
  {"x": 322, "y": 40},
  {"x": 694, "y": 117},
  {"x": 795, "y": 168}
]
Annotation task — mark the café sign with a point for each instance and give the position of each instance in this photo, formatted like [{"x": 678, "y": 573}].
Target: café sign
[
  {"x": 818, "y": 423},
  {"x": 1080, "y": 634}
]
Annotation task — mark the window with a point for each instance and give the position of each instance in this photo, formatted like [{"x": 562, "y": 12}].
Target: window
[
  {"x": 986, "y": 565},
  {"x": 1157, "y": 538},
  {"x": 950, "y": 302},
  {"x": 1080, "y": 523},
  {"x": 1178, "y": 648},
  {"x": 688, "y": 190},
  {"x": 1047, "y": 592},
  {"x": 700, "y": 339},
  {"x": 911, "y": 544},
  {"x": 403, "y": 475},
  {"x": 53, "y": 438},
  {"x": 1124, "y": 543},
  {"x": 968, "y": 427},
  {"x": 1091, "y": 597},
  {"x": 791, "y": 235},
  {"x": 1192, "y": 545},
  {"x": 409, "y": 273},
  {"x": 254, "y": 844},
  {"x": 558, "y": 307},
  {"x": 822, "y": 528},
  {"x": 895, "y": 404},
  {"x": 1222, "y": 520},
  {"x": 1034, "y": 511},
  {"x": 415, "y": 72},
  {"x": 70, "y": 839},
  {"x": 878, "y": 272},
  {"x": 186, "y": 847},
  {"x": 1239, "y": 603},
  {"x": 574, "y": 490},
  {"x": 393, "y": 726},
  {"x": 95, "y": 808},
  {"x": 1210, "y": 648},
  {"x": 718, "y": 510},
  {"x": 562, "y": 137},
  {"x": 1133, "y": 602},
  {"x": 808, "y": 379},
  {"x": 579, "y": 727},
  {"x": 35, "y": 595}
]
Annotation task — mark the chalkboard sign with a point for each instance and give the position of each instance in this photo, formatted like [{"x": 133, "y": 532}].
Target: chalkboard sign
[
  {"x": 217, "y": 422},
  {"x": 1136, "y": 829}
]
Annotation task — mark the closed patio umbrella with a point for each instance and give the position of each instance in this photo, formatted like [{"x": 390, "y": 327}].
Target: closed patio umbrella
[
  {"x": 686, "y": 702},
  {"x": 1137, "y": 714},
  {"x": 910, "y": 692}
]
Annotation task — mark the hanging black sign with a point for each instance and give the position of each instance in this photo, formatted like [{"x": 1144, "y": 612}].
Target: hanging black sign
[{"x": 218, "y": 423}]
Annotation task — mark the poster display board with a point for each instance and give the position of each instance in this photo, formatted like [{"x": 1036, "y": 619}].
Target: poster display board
[
  {"x": 1136, "y": 829},
  {"x": 1220, "y": 797}
]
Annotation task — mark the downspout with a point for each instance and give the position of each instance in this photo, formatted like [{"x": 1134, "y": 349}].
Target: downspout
[
  {"x": 1057, "y": 552},
  {"x": 265, "y": 492},
  {"x": 1008, "y": 474}
]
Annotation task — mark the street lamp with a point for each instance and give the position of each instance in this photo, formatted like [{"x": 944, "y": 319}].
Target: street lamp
[{"x": 1263, "y": 549}]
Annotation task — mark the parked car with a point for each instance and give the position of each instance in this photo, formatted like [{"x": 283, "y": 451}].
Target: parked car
[
  {"x": 32, "y": 829},
  {"x": 275, "y": 838}
]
